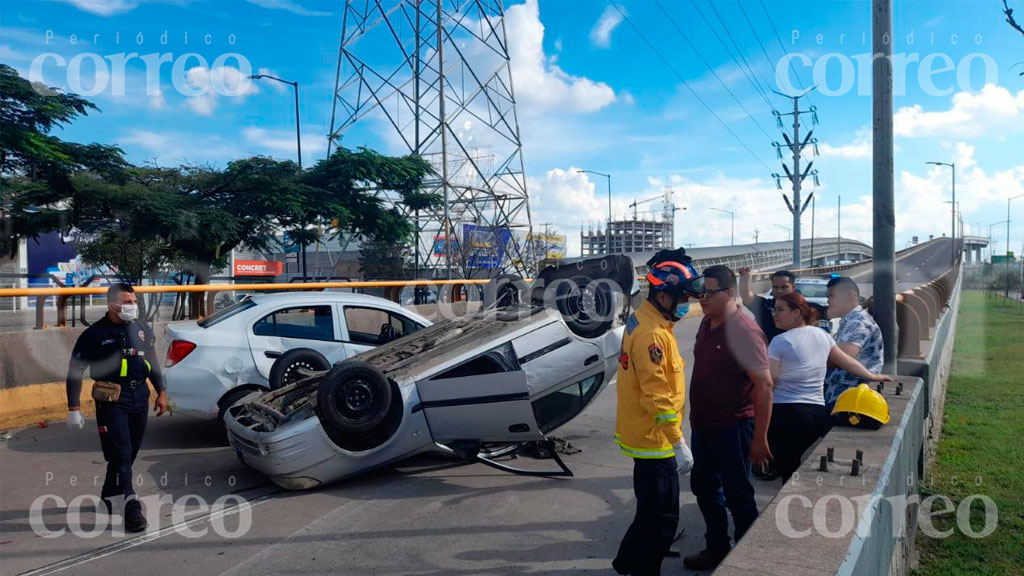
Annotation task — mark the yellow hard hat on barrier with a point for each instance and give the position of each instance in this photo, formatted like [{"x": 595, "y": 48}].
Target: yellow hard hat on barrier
[{"x": 862, "y": 407}]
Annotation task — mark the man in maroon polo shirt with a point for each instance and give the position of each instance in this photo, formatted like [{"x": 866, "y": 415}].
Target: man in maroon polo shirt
[{"x": 730, "y": 407}]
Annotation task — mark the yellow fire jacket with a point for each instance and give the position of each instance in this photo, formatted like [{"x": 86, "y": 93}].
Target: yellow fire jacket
[{"x": 651, "y": 388}]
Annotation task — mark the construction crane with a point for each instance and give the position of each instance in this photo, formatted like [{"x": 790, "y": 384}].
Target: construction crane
[{"x": 668, "y": 211}]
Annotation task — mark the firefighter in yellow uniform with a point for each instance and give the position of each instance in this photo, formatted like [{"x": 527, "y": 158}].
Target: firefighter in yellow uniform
[{"x": 651, "y": 394}]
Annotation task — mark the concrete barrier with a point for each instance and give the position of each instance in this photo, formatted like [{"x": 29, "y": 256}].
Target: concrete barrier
[{"x": 835, "y": 522}]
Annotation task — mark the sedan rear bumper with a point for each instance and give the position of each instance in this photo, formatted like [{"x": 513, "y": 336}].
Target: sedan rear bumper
[{"x": 300, "y": 455}]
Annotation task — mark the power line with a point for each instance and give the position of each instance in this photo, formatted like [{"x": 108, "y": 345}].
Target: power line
[
  {"x": 781, "y": 45},
  {"x": 710, "y": 69},
  {"x": 754, "y": 32},
  {"x": 732, "y": 39},
  {"x": 668, "y": 65},
  {"x": 745, "y": 70}
]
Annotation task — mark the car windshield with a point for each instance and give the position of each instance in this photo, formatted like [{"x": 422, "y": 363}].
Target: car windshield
[
  {"x": 227, "y": 312},
  {"x": 812, "y": 290}
]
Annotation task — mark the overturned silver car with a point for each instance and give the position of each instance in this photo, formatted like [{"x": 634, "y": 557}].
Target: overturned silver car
[{"x": 523, "y": 366}]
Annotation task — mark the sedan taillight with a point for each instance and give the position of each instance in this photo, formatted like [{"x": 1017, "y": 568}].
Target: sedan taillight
[{"x": 177, "y": 351}]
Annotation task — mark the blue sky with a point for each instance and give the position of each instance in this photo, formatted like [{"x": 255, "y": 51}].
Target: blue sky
[{"x": 591, "y": 94}]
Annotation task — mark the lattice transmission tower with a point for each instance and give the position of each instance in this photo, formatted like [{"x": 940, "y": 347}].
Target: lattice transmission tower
[{"x": 435, "y": 76}]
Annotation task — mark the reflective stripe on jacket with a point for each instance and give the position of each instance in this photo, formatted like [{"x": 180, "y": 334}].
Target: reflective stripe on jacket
[{"x": 651, "y": 388}]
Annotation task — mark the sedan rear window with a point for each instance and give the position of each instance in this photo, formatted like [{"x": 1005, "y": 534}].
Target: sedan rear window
[
  {"x": 812, "y": 290},
  {"x": 227, "y": 312}
]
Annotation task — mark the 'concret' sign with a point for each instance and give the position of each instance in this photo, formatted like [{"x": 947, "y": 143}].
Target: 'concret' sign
[{"x": 257, "y": 268}]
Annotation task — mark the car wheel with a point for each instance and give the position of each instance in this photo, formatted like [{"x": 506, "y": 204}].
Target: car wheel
[
  {"x": 232, "y": 398},
  {"x": 285, "y": 370},
  {"x": 588, "y": 307},
  {"x": 503, "y": 291},
  {"x": 354, "y": 397}
]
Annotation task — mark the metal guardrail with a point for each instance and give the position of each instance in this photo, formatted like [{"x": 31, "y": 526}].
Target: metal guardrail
[{"x": 454, "y": 292}]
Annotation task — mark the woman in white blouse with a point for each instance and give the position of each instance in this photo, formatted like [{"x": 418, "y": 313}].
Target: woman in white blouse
[{"x": 798, "y": 359}]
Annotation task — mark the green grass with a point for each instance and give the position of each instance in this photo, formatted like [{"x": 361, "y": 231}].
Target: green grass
[{"x": 982, "y": 439}]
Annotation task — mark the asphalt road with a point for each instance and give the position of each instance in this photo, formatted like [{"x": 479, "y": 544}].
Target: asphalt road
[
  {"x": 428, "y": 515},
  {"x": 424, "y": 516}
]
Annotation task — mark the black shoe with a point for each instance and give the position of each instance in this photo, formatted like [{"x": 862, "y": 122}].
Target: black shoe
[
  {"x": 134, "y": 520},
  {"x": 705, "y": 560},
  {"x": 620, "y": 568}
]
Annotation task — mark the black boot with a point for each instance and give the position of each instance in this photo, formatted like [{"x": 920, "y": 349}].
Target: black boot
[{"x": 134, "y": 520}]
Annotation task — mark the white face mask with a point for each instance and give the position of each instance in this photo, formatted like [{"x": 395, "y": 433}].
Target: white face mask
[{"x": 128, "y": 312}]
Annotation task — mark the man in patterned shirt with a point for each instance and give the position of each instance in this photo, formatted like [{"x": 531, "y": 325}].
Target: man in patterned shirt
[{"x": 858, "y": 336}]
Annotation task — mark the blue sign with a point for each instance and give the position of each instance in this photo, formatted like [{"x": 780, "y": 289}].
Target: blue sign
[
  {"x": 289, "y": 247},
  {"x": 486, "y": 245}
]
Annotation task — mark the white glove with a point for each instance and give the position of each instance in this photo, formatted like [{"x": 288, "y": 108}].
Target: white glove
[
  {"x": 75, "y": 420},
  {"x": 684, "y": 458}
]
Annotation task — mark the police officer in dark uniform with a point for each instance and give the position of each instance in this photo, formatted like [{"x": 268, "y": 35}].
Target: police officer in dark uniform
[{"x": 118, "y": 350}]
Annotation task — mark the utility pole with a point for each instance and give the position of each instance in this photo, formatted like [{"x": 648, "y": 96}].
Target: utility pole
[
  {"x": 1008, "y": 200},
  {"x": 952, "y": 232},
  {"x": 839, "y": 228},
  {"x": 884, "y": 217},
  {"x": 813, "y": 202},
  {"x": 794, "y": 175}
]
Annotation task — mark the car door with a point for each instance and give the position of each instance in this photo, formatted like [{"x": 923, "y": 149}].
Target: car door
[
  {"x": 492, "y": 407},
  {"x": 362, "y": 327},
  {"x": 552, "y": 355},
  {"x": 287, "y": 327}
]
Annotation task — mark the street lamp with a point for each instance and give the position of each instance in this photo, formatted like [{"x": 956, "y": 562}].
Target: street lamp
[
  {"x": 732, "y": 224},
  {"x": 608, "y": 236},
  {"x": 990, "y": 244},
  {"x": 1007, "y": 293},
  {"x": 298, "y": 141},
  {"x": 953, "y": 231},
  {"x": 789, "y": 231}
]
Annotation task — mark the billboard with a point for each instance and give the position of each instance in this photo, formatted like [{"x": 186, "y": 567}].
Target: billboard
[
  {"x": 440, "y": 245},
  {"x": 257, "y": 268},
  {"x": 546, "y": 246},
  {"x": 485, "y": 246}
]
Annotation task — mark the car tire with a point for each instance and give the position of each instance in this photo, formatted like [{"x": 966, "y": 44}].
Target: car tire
[
  {"x": 354, "y": 398},
  {"x": 587, "y": 307},
  {"x": 504, "y": 290},
  {"x": 232, "y": 398},
  {"x": 283, "y": 372}
]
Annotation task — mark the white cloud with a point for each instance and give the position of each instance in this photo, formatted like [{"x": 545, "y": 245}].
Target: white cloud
[
  {"x": 981, "y": 195},
  {"x": 601, "y": 33},
  {"x": 214, "y": 82},
  {"x": 173, "y": 148},
  {"x": 540, "y": 85},
  {"x": 569, "y": 200},
  {"x": 289, "y": 6},
  {"x": 111, "y": 7},
  {"x": 281, "y": 143},
  {"x": 103, "y": 7},
  {"x": 157, "y": 100},
  {"x": 994, "y": 110},
  {"x": 859, "y": 149}
]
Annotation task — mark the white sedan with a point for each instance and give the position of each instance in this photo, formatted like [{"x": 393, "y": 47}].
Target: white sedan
[{"x": 260, "y": 342}]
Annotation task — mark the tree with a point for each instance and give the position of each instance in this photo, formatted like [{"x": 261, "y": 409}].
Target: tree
[
  {"x": 37, "y": 169},
  {"x": 381, "y": 259},
  {"x": 139, "y": 219},
  {"x": 1010, "y": 19}
]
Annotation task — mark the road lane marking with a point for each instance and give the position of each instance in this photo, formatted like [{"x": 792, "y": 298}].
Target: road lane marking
[{"x": 142, "y": 539}]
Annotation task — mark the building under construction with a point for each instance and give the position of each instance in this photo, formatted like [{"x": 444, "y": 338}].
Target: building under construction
[
  {"x": 628, "y": 236},
  {"x": 635, "y": 235}
]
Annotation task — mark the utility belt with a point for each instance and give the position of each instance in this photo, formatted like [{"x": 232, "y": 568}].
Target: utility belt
[{"x": 106, "y": 391}]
